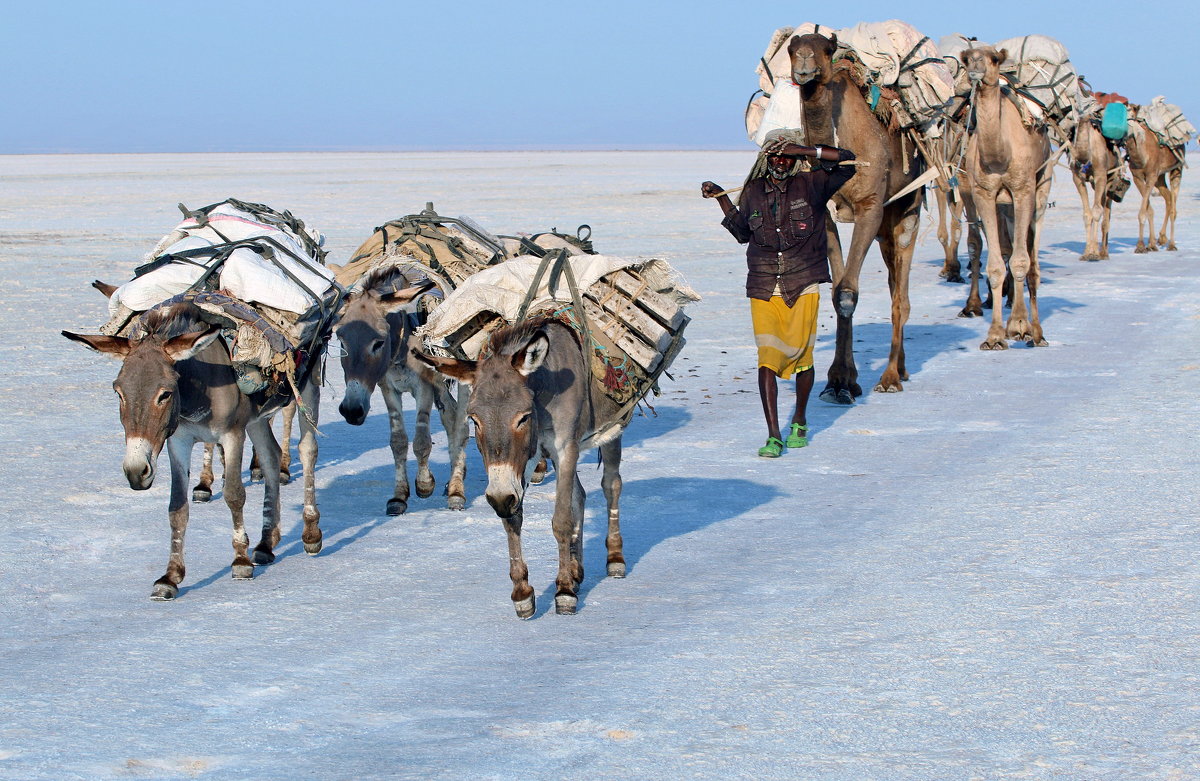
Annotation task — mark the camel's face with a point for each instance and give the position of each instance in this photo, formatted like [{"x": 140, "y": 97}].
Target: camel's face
[
  {"x": 983, "y": 64},
  {"x": 812, "y": 58}
]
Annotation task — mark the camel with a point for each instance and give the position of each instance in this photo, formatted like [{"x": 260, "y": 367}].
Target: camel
[
  {"x": 1154, "y": 166},
  {"x": 836, "y": 114},
  {"x": 1006, "y": 162},
  {"x": 1094, "y": 162}
]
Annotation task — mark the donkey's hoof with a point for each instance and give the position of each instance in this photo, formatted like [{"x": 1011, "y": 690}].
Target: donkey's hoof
[
  {"x": 243, "y": 571},
  {"x": 456, "y": 502},
  {"x": 313, "y": 548},
  {"x": 164, "y": 592},
  {"x": 285, "y": 477},
  {"x": 565, "y": 604},
  {"x": 397, "y": 506},
  {"x": 256, "y": 475},
  {"x": 525, "y": 608},
  {"x": 616, "y": 569},
  {"x": 263, "y": 557},
  {"x": 425, "y": 490},
  {"x": 201, "y": 495}
]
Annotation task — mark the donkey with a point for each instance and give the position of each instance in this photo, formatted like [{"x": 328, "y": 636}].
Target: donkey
[
  {"x": 177, "y": 386},
  {"x": 532, "y": 391},
  {"x": 374, "y": 331},
  {"x": 203, "y": 490}
]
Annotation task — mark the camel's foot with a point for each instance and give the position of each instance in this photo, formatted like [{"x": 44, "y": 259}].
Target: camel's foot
[
  {"x": 525, "y": 607},
  {"x": 1172, "y": 248},
  {"x": 397, "y": 506},
  {"x": 832, "y": 395},
  {"x": 995, "y": 340},
  {"x": 889, "y": 383},
  {"x": 425, "y": 486},
  {"x": 1140, "y": 249},
  {"x": 1090, "y": 256},
  {"x": 164, "y": 590},
  {"x": 972, "y": 310},
  {"x": 200, "y": 494},
  {"x": 1020, "y": 331}
]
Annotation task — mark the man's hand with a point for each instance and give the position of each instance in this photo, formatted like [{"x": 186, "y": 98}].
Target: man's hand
[
  {"x": 845, "y": 154},
  {"x": 711, "y": 189}
]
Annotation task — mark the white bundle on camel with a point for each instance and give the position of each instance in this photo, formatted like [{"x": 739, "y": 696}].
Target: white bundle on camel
[
  {"x": 1040, "y": 69},
  {"x": 257, "y": 272},
  {"x": 893, "y": 55},
  {"x": 1166, "y": 120}
]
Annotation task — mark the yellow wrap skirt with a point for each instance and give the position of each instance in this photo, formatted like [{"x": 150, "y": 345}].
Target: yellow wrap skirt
[{"x": 786, "y": 335}]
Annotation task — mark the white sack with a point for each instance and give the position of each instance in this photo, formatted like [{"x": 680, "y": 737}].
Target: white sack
[{"x": 783, "y": 111}]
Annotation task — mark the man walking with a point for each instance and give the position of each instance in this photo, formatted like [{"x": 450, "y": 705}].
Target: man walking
[{"x": 781, "y": 216}]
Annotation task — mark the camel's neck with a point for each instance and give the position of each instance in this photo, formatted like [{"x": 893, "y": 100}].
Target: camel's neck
[
  {"x": 821, "y": 107},
  {"x": 994, "y": 148}
]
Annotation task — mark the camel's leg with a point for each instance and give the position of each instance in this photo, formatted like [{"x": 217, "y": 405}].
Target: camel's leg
[
  {"x": 610, "y": 454},
  {"x": 842, "y": 385},
  {"x": 974, "y": 304},
  {"x": 285, "y": 444},
  {"x": 986, "y": 201},
  {"x": 1034, "y": 276},
  {"x": 203, "y": 490},
  {"x": 949, "y": 231},
  {"x": 309, "y": 415},
  {"x": 567, "y": 524},
  {"x": 179, "y": 448},
  {"x": 454, "y": 421},
  {"x": 523, "y": 597},
  {"x": 1090, "y": 250},
  {"x": 1024, "y": 212},
  {"x": 1145, "y": 216},
  {"x": 1105, "y": 220},
  {"x": 896, "y": 244},
  {"x": 393, "y": 397},
  {"x": 1168, "y": 187},
  {"x": 267, "y": 450}
]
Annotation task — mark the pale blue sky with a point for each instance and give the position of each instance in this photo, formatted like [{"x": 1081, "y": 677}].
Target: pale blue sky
[{"x": 129, "y": 76}]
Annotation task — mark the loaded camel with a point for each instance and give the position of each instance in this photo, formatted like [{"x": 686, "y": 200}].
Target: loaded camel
[
  {"x": 837, "y": 114},
  {"x": 1094, "y": 162},
  {"x": 1154, "y": 166},
  {"x": 1006, "y": 162}
]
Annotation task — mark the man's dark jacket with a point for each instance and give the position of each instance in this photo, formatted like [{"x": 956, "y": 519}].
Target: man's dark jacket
[{"x": 784, "y": 223}]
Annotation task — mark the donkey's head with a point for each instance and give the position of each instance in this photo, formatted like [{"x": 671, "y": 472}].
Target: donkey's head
[
  {"x": 373, "y": 332},
  {"x": 812, "y": 58},
  {"x": 983, "y": 64},
  {"x": 502, "y": 407},
  {"x": 148, "y": 384}
]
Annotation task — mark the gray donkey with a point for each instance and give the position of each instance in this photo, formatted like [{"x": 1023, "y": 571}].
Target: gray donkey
[
  {"x": 532, "y": 390},
  {"x": 374, "y": 330}
]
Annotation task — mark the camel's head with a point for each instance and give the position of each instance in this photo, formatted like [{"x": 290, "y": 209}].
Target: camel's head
[
  {"x": 812, "y": 57},
  {"x": 983, "y": 64}
]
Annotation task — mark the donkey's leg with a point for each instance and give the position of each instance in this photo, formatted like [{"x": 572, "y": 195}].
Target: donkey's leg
[
  {"x": 454, "y": 421},
  {"x": 203, "y": 490},
  {"x": 610, "y": 454},
  {"x": 523, "y": 597},
  {"x": 423, "y": 393},
  {"x": 267, "y": 450},
  {"x": 310, "y": 411},
  {"x": 393, "y": 397},
  {"x": 285, "y": 444},
  {"x": 567, "y": 524},
  {"x": 234, "y": 492},
  {"x": 179, "y": 448}
]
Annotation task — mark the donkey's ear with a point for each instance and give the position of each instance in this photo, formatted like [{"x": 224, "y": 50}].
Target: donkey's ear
[
  {"x": 394, "y": 302},
  {"x": 530, "y": 358},
  {"x": 189, "y": 345},
  {"x": 110, "y": 345},
  {"x": 104, "y": 288},
  {"x": 463, "y": 371}
]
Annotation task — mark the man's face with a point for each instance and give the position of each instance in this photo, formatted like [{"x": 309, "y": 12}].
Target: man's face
[{"x": 779, "y": 166}]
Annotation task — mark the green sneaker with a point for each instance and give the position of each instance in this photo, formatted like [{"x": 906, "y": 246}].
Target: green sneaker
[
  {"x": 773, "y": 448},
  {"x": 796, "y": 438}
]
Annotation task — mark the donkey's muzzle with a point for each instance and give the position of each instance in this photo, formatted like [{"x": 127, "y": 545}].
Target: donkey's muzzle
[
  {"x": 356, "y": 403},
  {"x": 138, "y": 464},
  {"x": 505, "y": 505}
]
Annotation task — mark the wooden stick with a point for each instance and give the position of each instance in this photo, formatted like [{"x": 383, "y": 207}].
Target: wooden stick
[{"x": 733, "y": 190}]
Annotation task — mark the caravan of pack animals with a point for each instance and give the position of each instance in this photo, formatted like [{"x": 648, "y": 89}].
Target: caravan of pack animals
[{"x": 545, "y": 348}]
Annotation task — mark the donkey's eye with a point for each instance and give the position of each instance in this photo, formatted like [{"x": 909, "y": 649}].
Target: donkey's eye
[
  {"x": 475, "y": 422},
  {"x": 165, "y": 396},
  {"x": 376, "y": 345},
  {"x": 523, "y": 420}
]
